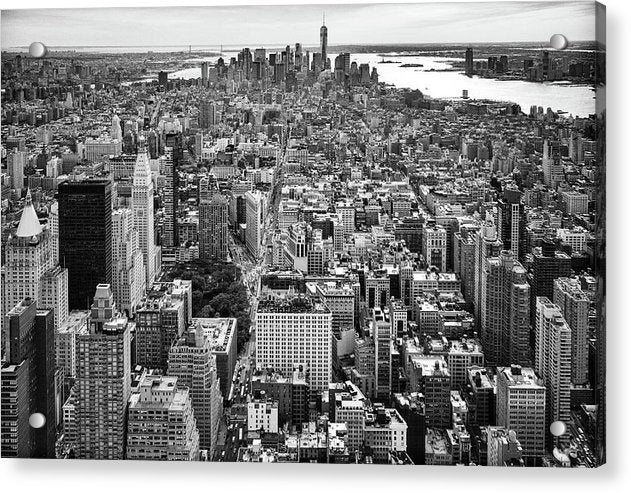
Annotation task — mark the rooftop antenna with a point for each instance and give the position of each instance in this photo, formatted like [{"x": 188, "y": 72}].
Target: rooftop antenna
[{"x": 323, "y": 18}]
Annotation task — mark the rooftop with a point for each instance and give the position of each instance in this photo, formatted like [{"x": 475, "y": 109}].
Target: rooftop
[
  {"x": 299, "y": 304},
  {"x": 219, "y": 331},
  {"x": 435, "y": 442},
  {"x": 516, "y": 376},
  {"x": 29, "y": 223}
]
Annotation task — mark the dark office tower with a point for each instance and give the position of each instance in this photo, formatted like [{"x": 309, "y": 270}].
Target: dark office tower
[
  {"x": 85, "y": 237},
  {"x": 298, "y": 57},
  {"x": 204, "y": 74},
  {"x": 260, "y": 54},
  {"x": 28, "y": 382},
  {"x": 342, "y": 67},
  {"x": 279, "y": 71},
  {"x": 221, "y": 67},
  {"x": 503, "y": 64},
  {"x": 324, "y": 35},
  {"x": 364, "y": 73},
  {"x": 153, "y": 144},
  {"x": 548, "y": 265},
  {"x": 545, "y": 64},
  {"x": 410, "y": 230},
  {"x": 468, "y": 62},
  {"x": 287, "y": 57},
  {"x": 207, "y": 114},
  {"x": 412, "y": 409},
  {"x": 163, "y": 79},
  {"x": 257, "y": 69},
  {"x": 317, "y": 63},
  {"x": 374, "y": 76},
  {"x": 174, "y": 156},
  {"x": 245, "y": 62},
  {"x": 213, "y": 228},
  {"x": 45, "y": 398},
  {"x": 513, "y": 223}
]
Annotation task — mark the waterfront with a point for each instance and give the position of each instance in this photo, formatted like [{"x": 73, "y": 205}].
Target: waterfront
[{"x": 434, "y": 79}]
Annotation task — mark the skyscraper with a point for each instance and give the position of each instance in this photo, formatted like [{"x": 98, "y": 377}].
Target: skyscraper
[
  {"x": 547, "y": 265},
  {"x": 160, "y": 321},
  {"x": 505, "y": 313},
  {"x": 28, "y": 382},
  {"x": 324, "y": 34},
  {"x": 53, "y": 226},
  {"x": 213, "y": 228},
  {"x": 468, "y": 62},
  {"x": 434, "y": 247},
  {"x": 521, "y": 406},
  {"x": 116, "y": 131},
  {"x": 342, "y": 67},
  {"x": 487, "y": 244},
  {"x": 103, "y": 384},
  {"x": 553, "y": 353},
  {"x": 16, "y": 162},
  {"x": 163, "y": 79},
  {"x": 204, "y": 74},
  {"x": 53, "y": 293},
  {"x": 513, "y": 223},
  {"x": 380, "y": 331},
  {"x": 254, "y": 222},
  {"x": 192, "y": 362},
  {"x": 208, "y": 114},
  {"x": 161, "y": 423},
  {"x": 574, "y": 305},
  {"x": 85, "y": 237},
  {"x": 128, "y": 268},
  {"x": 553, "y": 173},
  {"x": 173, "y": 152},
  {"x": 142, "y": 204},
  {"x": 28, "y": 257},
  {"x": 545, "y": 64}
]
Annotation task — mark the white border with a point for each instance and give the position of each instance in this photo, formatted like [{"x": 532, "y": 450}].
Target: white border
[{"x": 126, "y": 476}]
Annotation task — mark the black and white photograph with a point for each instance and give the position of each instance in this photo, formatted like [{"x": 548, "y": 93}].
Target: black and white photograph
[{"x": 362, "y": 234}]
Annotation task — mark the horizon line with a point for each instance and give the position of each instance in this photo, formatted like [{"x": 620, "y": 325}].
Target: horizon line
[{"x": 315, "y": 45}]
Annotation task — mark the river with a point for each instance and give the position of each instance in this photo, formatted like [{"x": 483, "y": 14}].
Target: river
[{"x": 577, "y": 100}]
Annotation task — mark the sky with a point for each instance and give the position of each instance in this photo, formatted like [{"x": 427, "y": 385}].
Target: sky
[{"x": 288, "y": 24}]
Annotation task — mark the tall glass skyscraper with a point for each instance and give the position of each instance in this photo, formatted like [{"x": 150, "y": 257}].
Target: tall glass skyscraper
[{"x": 85, "y": 238}]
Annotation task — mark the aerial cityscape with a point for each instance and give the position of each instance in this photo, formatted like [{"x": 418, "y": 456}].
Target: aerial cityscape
[{"x": 330, "y": 253}]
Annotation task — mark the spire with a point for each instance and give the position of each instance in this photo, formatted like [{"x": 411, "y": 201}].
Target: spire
[
  {"x": 29, "y": 223},
  {"x": 142, "y": 169}
]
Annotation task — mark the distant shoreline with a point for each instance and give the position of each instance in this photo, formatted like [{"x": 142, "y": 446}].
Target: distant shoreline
[{"x": 403, "y": 49}]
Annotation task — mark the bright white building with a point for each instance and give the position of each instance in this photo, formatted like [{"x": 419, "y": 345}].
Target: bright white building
[
  {"x": 161, "y": 424},
  {"x": 263, "y": 415},
  {"x": 553, "y": 359},
  {"x": 254, "y": 215},
  {"x": 295, "y": 331},
  {"x": 128, "y": 269},
  {"x": 521, "y": 406},
  {"x": 142, "y": 205}
]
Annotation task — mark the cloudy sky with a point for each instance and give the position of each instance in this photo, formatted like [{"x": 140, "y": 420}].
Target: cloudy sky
[{"x": 288, "y": 24}]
